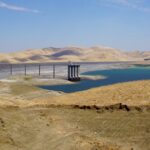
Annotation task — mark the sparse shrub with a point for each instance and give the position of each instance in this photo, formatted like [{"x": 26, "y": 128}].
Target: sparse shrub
[{"x": 27, "y": 78}]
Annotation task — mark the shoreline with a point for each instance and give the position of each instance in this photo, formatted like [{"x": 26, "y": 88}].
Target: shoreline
[
  {"x": 112, "y": 117},
  {"x": 61, "y": 70},
  {"x": 15, "y": 83}
]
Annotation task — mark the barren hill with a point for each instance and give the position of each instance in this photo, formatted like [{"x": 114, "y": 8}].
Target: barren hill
[
  {"x": 71, "y": 54},
  {"x": 114, "y": 117},
  {"x": 140, "y": 54}
]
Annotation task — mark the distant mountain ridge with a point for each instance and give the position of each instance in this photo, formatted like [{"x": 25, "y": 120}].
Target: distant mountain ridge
[{"x": 52, "y": 54}]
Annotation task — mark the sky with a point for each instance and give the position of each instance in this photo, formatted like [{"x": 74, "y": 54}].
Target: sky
[{"x": 27, "y": 24}]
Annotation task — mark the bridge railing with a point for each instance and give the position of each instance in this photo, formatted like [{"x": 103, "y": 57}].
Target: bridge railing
[{"x": 53, "y": 70}]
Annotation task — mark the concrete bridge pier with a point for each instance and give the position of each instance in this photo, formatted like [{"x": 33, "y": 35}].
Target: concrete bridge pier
[{"x": 73, "y": 73}]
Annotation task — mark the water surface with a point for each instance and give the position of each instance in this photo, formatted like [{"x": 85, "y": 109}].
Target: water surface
[{"x": 112, "y": 76}]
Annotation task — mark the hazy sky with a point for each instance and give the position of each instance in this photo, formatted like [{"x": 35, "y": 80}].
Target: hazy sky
[{"x": 123, "y": 24}]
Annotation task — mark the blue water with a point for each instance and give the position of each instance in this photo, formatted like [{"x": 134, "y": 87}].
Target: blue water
[{"x": 113, "y": 76}]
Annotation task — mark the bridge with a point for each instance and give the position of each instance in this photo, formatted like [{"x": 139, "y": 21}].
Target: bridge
[{"x": 51, "y": 70}]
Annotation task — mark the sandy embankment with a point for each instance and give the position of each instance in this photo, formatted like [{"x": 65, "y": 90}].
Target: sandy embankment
[
  {"x": 19, "y": 89},
  {"x": 43, "y": 119},
  {"x": 131, "y": 94},
  {"x": 58, "y": 121},
  {"x": 23, "y": 92}
]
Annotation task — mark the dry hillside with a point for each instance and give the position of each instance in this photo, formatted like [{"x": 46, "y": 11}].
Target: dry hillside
[
  {"x": 24, "y": 94},
  {"x": 67, "y": 54},
  {"x": 140, "y": 54},
  {"x": 114, "y": 117}
]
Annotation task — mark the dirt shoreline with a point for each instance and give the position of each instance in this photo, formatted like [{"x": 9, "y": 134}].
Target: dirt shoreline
[{"x": 113, "y": 117}]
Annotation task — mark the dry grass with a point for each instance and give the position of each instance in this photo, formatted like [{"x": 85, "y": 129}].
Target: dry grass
[
  {"x": 131, "y": 93},
  {"x": 72, "y": 129},
  {"x": 62, "y": 128},
  {"x": 66, "y": 54},
  {"x": 25, "y": 94},
  {"x": 20, "y": 89}
]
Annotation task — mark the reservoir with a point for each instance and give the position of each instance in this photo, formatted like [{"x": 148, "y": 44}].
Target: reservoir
[{"x": 112, "y": 76}]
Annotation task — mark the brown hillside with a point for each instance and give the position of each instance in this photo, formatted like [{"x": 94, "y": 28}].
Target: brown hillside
[{"x": 66, "y": 54}]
